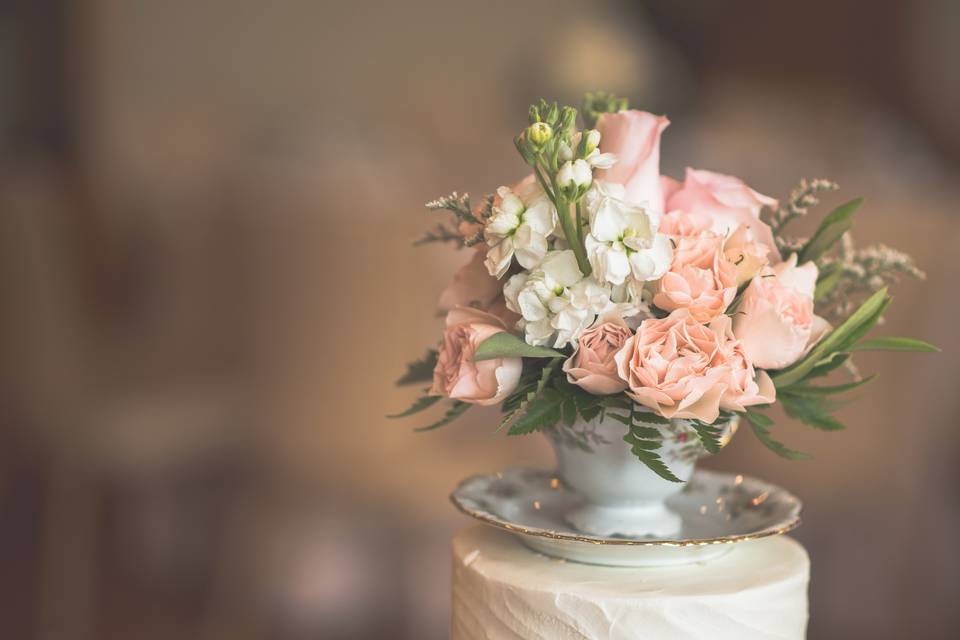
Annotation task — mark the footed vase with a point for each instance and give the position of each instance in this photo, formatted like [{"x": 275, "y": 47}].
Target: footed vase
[{"x": 618, "y": 494}]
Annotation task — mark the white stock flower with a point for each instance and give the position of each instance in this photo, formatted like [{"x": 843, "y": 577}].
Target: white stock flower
[
  {"x": 555, "y": 301},
  {"x": 623, "y": 243},
  {"x": 577, "y": 173},
  {"x": 520, "y": 226}
]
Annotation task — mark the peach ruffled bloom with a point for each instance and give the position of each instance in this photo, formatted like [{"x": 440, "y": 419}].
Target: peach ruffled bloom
[
  {"x": 457, "y": 375},
  {"x": 592, "y": 366},
  {"x": 701, "y": 278},
  {"x": 681, "y": 368},
  {"x": 775, "y": 320}
]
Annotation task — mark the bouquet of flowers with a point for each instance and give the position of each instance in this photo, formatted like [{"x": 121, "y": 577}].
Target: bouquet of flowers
[{"x": 598, "y": 289}]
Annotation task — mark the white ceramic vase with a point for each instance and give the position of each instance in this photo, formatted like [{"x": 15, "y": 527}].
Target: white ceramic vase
[{"x": 619, "y": 495}]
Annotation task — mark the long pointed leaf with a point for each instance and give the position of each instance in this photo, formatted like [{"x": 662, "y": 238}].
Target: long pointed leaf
[
  {"x": 853, "y": 327},
  {"x": 890, "y": 343},
  {"x": 507, "y": 345},
  {"x": 759, "y": 424},
  {"x": 419, "y": 405},
  {"x": 837, "y": 223}
]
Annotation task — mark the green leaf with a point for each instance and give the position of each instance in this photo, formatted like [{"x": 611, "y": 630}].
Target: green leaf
[
  {"x": 419, "y": 405},
  {"x": 621, "y": 419},
  {"x": 851, "y": 330},
  {"x": 642, "y": 450},
  {"x": 709, "y": 435},
  {"x": 648, "y": 417},
  {"x": 837, "y": 223},
  {"x": 507, "y": 345},
  {"x": 760, "y": 425},
  {"x": 456, "y": 410},
  {"x": 827, "y": 365},
  {"x": 814, "y": 412},
  {"x": 830, "y": 276},
  {"x": 813, "y": 391},
  {"x": 539, "y": 413},
  {"x": 420, "y": 370},
  {"x": 889, "y": 343}
]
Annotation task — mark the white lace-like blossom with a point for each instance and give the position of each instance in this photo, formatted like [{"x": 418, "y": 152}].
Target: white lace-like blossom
[
  {"x": 623, "y": 243},
  {"x": 555, "y": 301},
  {"x": 520, "y": 226}
]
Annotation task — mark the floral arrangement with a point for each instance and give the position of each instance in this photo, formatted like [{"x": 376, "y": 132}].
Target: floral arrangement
[{"x": 598, "y": 289}]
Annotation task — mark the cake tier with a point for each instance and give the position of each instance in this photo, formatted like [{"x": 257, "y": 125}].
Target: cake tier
[{"x": 502, "y": 590}]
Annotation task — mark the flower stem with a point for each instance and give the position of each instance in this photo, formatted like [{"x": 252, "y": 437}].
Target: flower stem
[{"x": 569, "y": 221}]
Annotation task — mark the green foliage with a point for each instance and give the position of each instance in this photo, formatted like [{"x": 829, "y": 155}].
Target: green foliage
[
  {"x": 542, "y": 411},
  {"x": 421, "y": 403},
  {"x": 837, "y": 223},
  {"x": 812, "y": 391},
  {"x": 890, "y": 343},
  {"x": 457, "y": 409},
  {"x": 507, "y": 345},
  {"x": 527, "y": 398},
  {"x": 709, "y": 435},
  {"x": 420, "y": 370},
  {"x": 597, "y": 103},
  {"x": 760, "y": 425},
  {"x": 828, "y": 364},
  {"x": 811, "y": 410},
  {"x": 829, "y": 278}
]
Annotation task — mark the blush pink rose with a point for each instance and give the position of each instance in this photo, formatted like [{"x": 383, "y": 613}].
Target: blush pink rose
[
  {"x": 457, "y": 375},
  {"x": 701, "y": 278},
  {"x": 681, "y": 368},
  {"x": 726, "y": 200},
  {"x": 775, "y": 322},
  {"x": 472, "y": 286},
  {"x": 592, "y": 366},
  {"x": 634, "y": 137}
]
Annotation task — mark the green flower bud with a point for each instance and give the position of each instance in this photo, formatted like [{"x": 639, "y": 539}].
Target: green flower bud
[{"x": 539, "y": 133}]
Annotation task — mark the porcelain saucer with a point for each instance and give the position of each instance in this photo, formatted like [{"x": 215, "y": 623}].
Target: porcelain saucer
[{"x": 717, "y": 510}]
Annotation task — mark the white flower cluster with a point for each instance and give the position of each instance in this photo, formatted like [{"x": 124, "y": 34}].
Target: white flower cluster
[{"x": 555, "y": 300}]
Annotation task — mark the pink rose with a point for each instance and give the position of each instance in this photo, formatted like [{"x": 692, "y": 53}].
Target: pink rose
[
  {"x": 775, "y": 321},
  {"x": 727, "y": 201},
  {"x": 701, "y": 278},
  {"x": 457, "y": 375},
  {"x": 472, "y": 286},
  {"x": 634, "y": 137},
  {"x": 681, "y": 368},
  {"x": 592, "y": 366}
]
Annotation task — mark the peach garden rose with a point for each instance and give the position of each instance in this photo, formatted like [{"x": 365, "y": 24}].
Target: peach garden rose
[
  {"x": 457, "y": 375},
  {"x": 681, "y": 368},
  {"x": 775, "y": 320},
  {"x": 592, "y": 366},
  {"x": 701, "y": 278}
]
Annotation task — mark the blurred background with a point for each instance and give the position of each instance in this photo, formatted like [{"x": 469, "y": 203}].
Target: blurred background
[{"x": 206, "y": 209}]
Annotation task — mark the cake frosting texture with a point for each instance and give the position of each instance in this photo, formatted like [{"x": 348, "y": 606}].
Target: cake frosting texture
[{"x": 504, "y": 591}]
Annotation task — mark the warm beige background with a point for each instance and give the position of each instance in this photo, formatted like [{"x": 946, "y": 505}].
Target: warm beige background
[{"x": 211, "y": 289}]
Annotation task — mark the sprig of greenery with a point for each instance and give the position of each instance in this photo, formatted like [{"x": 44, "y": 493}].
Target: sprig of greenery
[
  {"x": 420, "y": 370},
  {"x": 597, "y": 103},
  {"x": 760, "y": 424},
  {"x": 831, "y": 229}
]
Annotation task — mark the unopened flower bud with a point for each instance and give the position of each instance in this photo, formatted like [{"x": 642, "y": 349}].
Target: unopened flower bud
[
  {"x": 591, "y": 141},
  {"x": 539, "y": 133},
  {"x": 574, "y": 175},
  {"x": 582, "y": 173}
]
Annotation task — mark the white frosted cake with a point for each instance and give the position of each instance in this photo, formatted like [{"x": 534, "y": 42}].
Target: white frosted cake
[{"x": 503, "y": 591}]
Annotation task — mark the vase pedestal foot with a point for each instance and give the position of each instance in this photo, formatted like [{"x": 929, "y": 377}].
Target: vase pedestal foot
[{"x": 653, "y": 520}]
